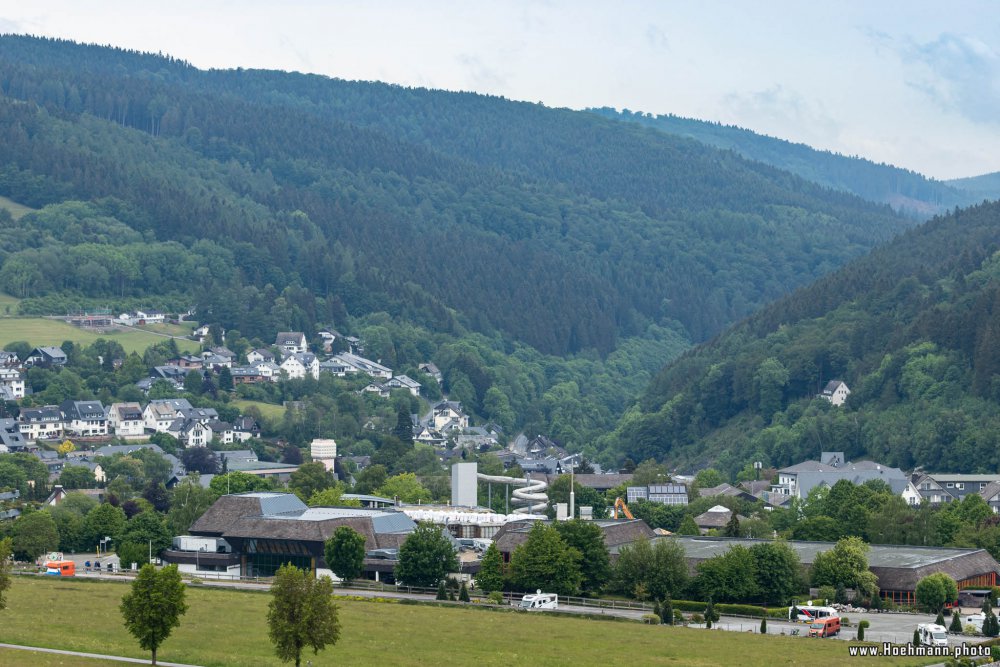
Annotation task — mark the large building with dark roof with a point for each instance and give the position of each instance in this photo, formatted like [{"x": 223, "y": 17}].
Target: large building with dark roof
[
  {"x": 898, "y": 567},
  {"x": 617, "y": 533},
  {"x": 258, "y": 532}
]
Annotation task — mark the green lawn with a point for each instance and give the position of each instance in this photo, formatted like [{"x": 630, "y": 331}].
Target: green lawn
[
  {"x": 16, "y": 210},
  {"x": 39, "y": 331},
  {"x": 10, "y": 657},
  {"x": 268, "y": 410},
  {"x": 225, "y": 627}
]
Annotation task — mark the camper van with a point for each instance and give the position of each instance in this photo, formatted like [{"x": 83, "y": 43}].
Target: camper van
[
  {"x": 60, "y": 568},
  {"x": 932, "y": 634},
  {"x": 825, "y": 627},
  {"x": 540, "y": 600},
  {"x": 809, "y": 613}
]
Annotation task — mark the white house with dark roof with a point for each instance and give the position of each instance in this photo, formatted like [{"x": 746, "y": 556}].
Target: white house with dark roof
[
  {"x": 126, "y": 420},
  {"x": 404, "y": 382},
  {"x": 46, "y": 356},
  {"x": 161, "y": 413},
  {"x": 8, "y": 358},
  {"x": 291, "y": 342},
  {"x": 448, "y": 415},
  {"x": 44, "y": 423},
  {"x": 13, "y": 380},
  {"x": 260, "y": 354},
  {"x": 836, "y": 392},
  {"x": 798, "y": 480},
  {"x": 299, "y": 365},
  {"x": 85, "y": 418},
  {"x": 356, "y": 364}
]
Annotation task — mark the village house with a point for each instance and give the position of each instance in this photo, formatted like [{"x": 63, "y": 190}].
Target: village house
[
  {"x": 798, "y": 480},
  {"x": 448, "y": 416},
  {"x": 8, "y": 359},
  {"x": 85, "y": 419},
  {"x": 299, "y": 365},
  {"x": 356, "y": 364},
  {"x": 46, "y": 357},
  {"x": 404, "y": 382},
  {"x": 126, "y": 420},
  {"x": 13, "y": 380},
  {"x": 431, "y": 370},
  {"x": 11, "y": 438},
  {"x": 291, "y": 342},
  {"x": 245, "y": 428},
  {"x": 149, "y": 317},
  {"x": 44, "y": 423},
  {"x": 260, "y": 354},
  {"x": 836, "y": 392},
  {"x": 161, "y": 413}
]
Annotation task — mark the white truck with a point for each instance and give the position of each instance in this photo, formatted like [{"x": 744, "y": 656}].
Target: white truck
[
  {"x": 932, "y": 634},
  {"x": 540, "y": 600}
]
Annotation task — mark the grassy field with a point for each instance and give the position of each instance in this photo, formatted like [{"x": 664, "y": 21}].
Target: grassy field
[
  {"x": 10, "y": 657},
  {"x": 8, "y": 305},
  {"x": 225, "y": 627},
  {"x": 16, "y": 210},
  {"x": 269, "y": 410},
  {"x": 39, "y": 331}
]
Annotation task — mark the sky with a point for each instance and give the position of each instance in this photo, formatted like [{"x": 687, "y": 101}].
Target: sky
[{"x": 913, "y": 83}]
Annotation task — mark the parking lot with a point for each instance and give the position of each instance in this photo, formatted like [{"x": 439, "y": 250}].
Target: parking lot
[{"x": 883, "y": 627}]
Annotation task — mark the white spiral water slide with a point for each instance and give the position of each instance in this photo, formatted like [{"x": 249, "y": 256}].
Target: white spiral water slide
[{"x": 532, "y": 499}]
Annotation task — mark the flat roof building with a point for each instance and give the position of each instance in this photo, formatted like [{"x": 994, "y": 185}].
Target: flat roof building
[{"x": 898, "y": 567}]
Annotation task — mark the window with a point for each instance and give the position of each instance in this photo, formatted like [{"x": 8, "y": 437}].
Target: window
[
  {"x": 950, "y": 485},
  {"x": 982, "y": 485},
  {"x": 960, "y": 485}
]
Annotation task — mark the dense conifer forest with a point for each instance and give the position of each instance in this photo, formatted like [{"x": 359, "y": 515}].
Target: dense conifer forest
[
  {"x": 906, "y": 191},
  {"x": 555, "y": 257}
]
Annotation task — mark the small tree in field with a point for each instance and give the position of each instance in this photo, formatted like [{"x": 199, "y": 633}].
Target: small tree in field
[
  {"x": 763, "y": 626},
  {"x": 154, "y": 606},
  {"x": 301, "y": 614}
]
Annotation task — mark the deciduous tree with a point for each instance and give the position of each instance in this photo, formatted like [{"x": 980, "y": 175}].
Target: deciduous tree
[
  {"x": 545, "y": 561},
  {"x": 426, "y": 557},
  {"x": 301, "y": 614},
  {"x": 345, "y": 553},
  {"x": 154, "y": 606}
]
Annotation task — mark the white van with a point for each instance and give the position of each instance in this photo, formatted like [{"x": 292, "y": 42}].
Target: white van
[
  {"x": 932, "y": 634},
  {"x": 540, "y": 600}
]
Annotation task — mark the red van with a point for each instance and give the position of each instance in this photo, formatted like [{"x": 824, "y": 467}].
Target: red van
[{"x": 825, "y": 627}]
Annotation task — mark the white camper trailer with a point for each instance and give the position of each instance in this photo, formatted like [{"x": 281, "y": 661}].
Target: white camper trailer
[{"x": 540, "y": 600}]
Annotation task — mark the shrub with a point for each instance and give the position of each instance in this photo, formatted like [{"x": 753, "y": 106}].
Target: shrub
[
  {"x": 495, "y": 597},
  {"x": 651, "y": 619},
  {"x": 697, "y": 618},
  {"x": 826, "y": 593},
  {"x": 970, "y": 629},
  {"x": 956, "y": 624},
  {"x": 844, "y": 620}
]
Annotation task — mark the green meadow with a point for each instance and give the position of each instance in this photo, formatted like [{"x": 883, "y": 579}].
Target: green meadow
[{"x": 228, "y": 628}]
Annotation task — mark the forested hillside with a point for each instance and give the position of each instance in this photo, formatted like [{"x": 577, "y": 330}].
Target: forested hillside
[
  {"x": 558, "y": 228},
  {"x": 986, "y": 186},
  {"x": 914, "y": 331},
  {"x": 549, "y": 261},
  {"x": 904, "y": 190}
]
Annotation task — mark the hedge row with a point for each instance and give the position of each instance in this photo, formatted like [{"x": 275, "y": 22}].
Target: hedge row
[{"x": 732, "y": 609}]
